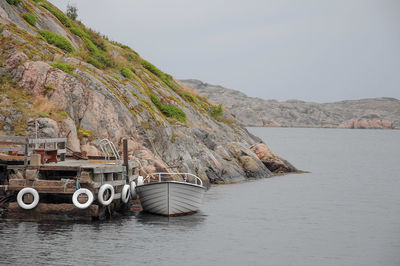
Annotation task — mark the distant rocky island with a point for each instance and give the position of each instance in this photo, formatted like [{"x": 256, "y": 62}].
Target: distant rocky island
[{"x": 376, "y": 113}]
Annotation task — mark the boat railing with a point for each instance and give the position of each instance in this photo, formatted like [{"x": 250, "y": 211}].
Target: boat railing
[
  {"x": 186, "y": 176},
  {"x": 109, "y": 150}
]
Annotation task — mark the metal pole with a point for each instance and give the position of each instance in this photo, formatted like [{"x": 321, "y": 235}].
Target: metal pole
[
  {"x": 26, "y": 155},
  {"x": 125, "y": 155}
]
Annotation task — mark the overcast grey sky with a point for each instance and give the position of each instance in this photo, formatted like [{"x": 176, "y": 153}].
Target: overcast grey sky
[{"x": 313, "y": 50}]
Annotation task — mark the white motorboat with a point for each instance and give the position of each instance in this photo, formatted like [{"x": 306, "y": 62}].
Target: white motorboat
[{"x": 159, "y": 193}]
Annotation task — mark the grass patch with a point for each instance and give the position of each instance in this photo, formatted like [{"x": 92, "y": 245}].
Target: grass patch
[
  {"x": 116, "y": 77},
  {"x": 67, "y": 68},
  {"x": 126, "y": 73},
  {"x": 90, "y": 46},
  {"x": 43, "y": 114},
  {"x": 167, "y": 79},
  {"x": 123, "y": 46},
  {"x": 79, "y": 32},
  {"x": 30, "y": 18},
  {"x": 93, "y": 61},
  {"x": 169, "y": 110},
  {"x": 189, "y": 97},
  {"x": 216, "y": 111},
  {"x": 58, "y": 14},
  {"x": 14, "y": 2},
  {"x": 97, "y": 39},
  {"x": 57, "y": 40}
]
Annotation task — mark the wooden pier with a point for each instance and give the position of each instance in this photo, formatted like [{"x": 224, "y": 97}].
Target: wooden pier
[{"x": 56, "y": 179}]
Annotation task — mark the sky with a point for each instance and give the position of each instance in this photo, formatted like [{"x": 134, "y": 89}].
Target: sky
[{"x": 311, "y": 50}]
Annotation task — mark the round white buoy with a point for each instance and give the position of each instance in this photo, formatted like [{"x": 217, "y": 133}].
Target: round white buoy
[
  {"x": 79, "y": 192},
  {"x": 126, "y": 193},
  {"x": 102, "y": 190},
  {"x": 20, "y": 196}
]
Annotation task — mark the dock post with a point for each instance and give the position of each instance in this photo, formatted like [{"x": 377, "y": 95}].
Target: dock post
[
  {"x": 26, "y": 155},
  {"x": 125, "y": 155}
]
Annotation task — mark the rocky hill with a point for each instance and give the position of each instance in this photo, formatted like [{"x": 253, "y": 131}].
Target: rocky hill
[
  {"x": 366, "y": 113},
  {"x": 78, "y": 84}
]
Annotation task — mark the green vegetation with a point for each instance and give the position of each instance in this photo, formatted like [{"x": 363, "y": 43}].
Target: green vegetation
[
  {"x": 216, "y": 111},
  {"x": 116, "y": 77},
  {"x": 57, "y": 13},
  {"x": 189, "y": 97},
  {"x": 30, "y": 18},
  {"x": 1, "y": 31},
  {"x": 167, "y": 79},
  {"x": 79, "y": 32},
  {"x": 67, "y": 68},
  {"x": 90, "y": 46},
  {"x": 72, "y": 12},
  {"x": 123, "y": 46},
  {"x": 14, "y": 99},
  {"x": 48, "y": 87},
  {"x": 96, "y": 38},
  {"x": 93, "y": 62},
  {"x": 169, "y": 110},
  {"x": 126, "y": 73},
  {"x": 43, "y": 114},
  {"x": 14, "y": 2},
  {"x": 148, "y": 104},
  {"x": 57, "y": 40},
  {"x": 99, "y": 58}
]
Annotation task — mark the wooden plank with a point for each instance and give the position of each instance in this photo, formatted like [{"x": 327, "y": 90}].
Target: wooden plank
[
  {"x": 106, "y": 169},
  {"x": 12, "y": 158},
  {"x": 41, "y": 141},
  {"x": 13, "y": 137},
  {"x": 113, "y": 183},
  {"x": 12, "y": 148},
  {"x": 15, "y": 166},
  {"x": 44, "y": 186},
  {"x": 47, "y": 211},
  {"x": 13, "y": 142},
  {"x": 55, "y": 168}
]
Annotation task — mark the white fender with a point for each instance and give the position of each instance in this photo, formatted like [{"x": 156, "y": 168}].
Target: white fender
[
  {"x": 133, "y": 190},
  {"x": 20, "y": 196},
  {"x": 140, "y": 180},
  {"x": 79, "y": 192},
  {"x": 126, "y": 193},
  {"x": 103, "y": 189}
]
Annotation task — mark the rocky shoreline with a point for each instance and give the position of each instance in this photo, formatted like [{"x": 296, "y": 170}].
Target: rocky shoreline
[
  {"x": 377, "y": 113},
  {"x": 102, "y": 89}
]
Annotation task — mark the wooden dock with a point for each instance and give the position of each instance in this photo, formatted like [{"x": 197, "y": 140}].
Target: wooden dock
[{"x": 57, "y": 181}]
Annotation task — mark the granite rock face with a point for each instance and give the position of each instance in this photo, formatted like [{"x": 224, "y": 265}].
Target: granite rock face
[
  {"x": 379, "y": 113},
  {"x": 86, "y": 104}
]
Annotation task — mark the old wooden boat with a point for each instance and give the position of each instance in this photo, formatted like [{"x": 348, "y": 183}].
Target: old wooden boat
[{"x": 162, "y": 193}]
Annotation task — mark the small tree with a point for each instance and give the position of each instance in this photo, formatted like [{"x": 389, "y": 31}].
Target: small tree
[{"x": 72, "y": 12}]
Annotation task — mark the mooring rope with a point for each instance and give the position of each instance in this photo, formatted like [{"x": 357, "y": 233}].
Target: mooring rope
[
  {"x": 65, "y": 184},
  {"x": 78, "y": 185}
]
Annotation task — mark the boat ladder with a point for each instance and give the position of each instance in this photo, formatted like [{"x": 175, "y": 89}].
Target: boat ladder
[{"x": 109, "y": 150}]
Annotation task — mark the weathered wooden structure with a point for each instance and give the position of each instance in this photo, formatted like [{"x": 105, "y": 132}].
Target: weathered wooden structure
[{"x": 56, "y": 179}]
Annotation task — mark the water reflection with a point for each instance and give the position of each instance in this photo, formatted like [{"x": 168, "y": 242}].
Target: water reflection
[{"x": 179, "y": 222}]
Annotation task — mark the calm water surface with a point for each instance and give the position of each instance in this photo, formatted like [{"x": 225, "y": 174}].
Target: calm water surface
[{"x": 346, "y": 212}]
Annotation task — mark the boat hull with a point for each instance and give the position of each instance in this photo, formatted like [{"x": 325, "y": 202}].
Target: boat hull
[{"x": 170, "y": 198}]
